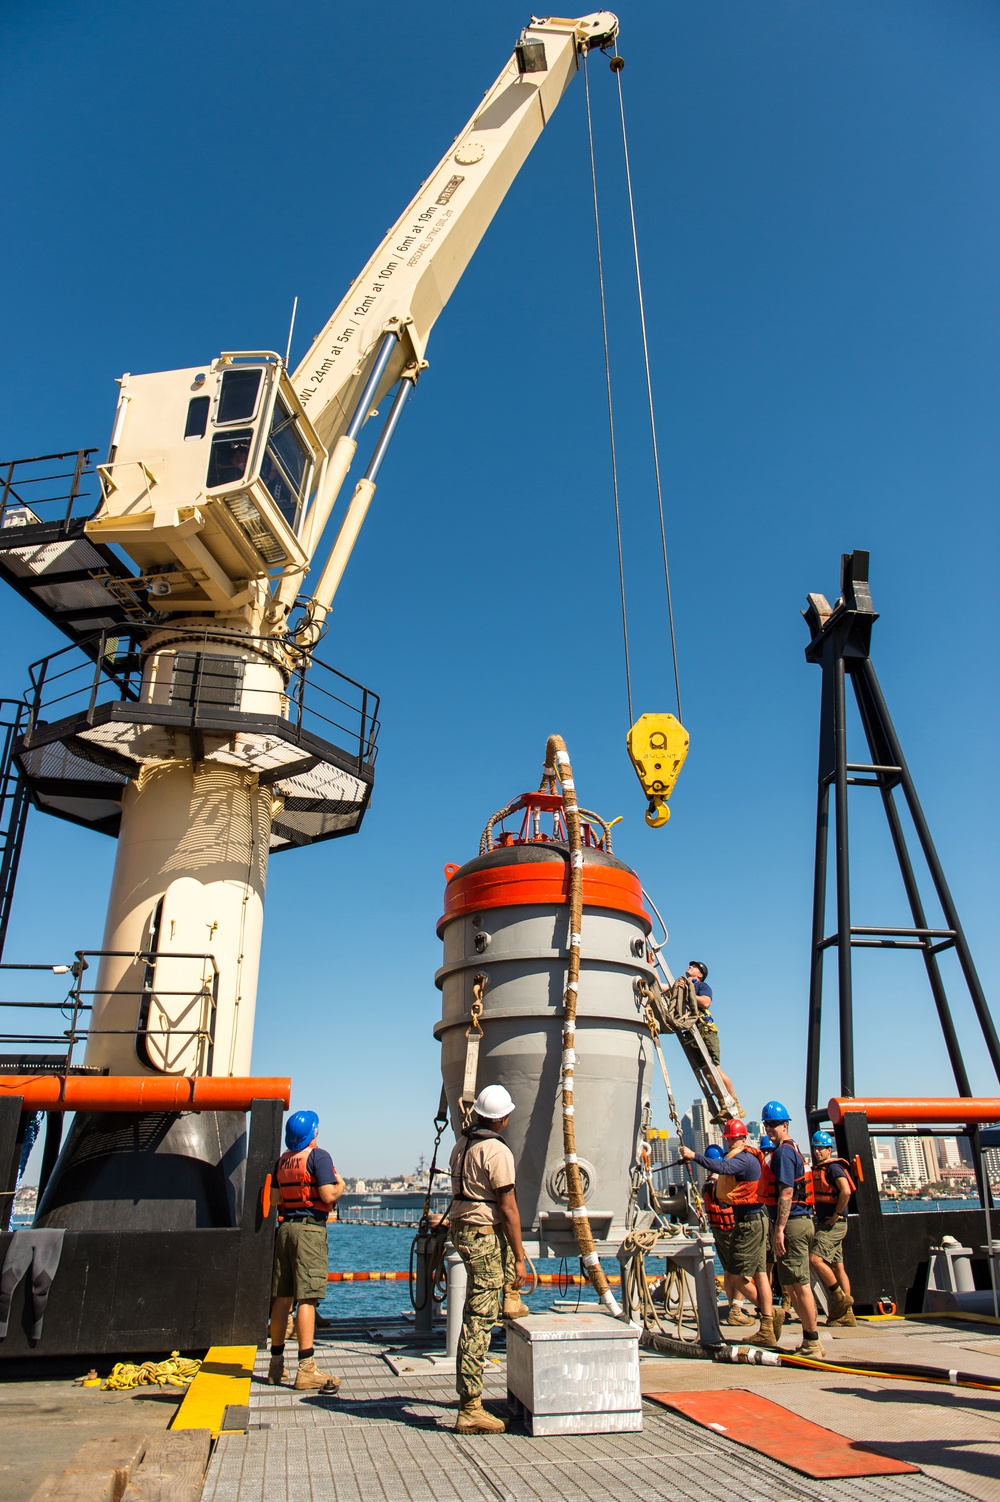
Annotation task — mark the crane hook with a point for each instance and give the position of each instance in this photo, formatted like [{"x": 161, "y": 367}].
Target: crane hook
[{"x": 657, "y": 747}]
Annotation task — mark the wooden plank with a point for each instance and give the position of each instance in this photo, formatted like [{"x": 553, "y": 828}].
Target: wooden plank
[
  {"x": 76, "y": 1486},
  {"x": 162, "y": 1488},
  {"x": 223, "y": 1381},
  {"x": 120, "y": 1453},
  {"x": 771, "y": 1430},
  {"x": 169, "y": 1449}
]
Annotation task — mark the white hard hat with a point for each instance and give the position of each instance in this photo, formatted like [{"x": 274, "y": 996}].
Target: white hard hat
[{"x": 493, "y": 1103}]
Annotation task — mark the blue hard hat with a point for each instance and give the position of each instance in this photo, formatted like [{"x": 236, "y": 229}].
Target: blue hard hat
[
  {"x": 823, "y": 1139},
  {"x": 766, "y": 1145},
  {"x": 714, "y": 1151},
  {"x": 300, "y": 1129},
  {"x": 774, "y": 1111}
]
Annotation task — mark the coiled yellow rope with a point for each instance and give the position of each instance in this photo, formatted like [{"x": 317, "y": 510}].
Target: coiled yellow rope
[{"x": 176, "y": 1371}]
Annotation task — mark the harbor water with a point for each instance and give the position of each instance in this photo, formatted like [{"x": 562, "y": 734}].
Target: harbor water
[{"x": 359, "y": 1248}]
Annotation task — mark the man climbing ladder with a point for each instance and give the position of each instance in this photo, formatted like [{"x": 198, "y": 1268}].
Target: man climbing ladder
[{"x": 682, "y": 1007}]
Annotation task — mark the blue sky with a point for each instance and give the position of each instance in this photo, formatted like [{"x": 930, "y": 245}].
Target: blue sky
[{"x": 816, "y": 192}]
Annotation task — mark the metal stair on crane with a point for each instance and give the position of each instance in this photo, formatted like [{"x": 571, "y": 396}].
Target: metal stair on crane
[{"x": 83, "y": 587}]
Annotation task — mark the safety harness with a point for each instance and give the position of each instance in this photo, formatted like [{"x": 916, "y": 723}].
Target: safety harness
[{"x": 472, "y": 1135}]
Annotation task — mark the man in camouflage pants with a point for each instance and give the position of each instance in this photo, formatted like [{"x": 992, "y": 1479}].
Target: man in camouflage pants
[{"x": 486, "y": 1233}]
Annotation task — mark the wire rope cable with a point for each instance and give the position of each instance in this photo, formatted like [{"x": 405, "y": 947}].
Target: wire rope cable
[
  {"x": 649, "y": 393},
  {"x": 607, "y": 378}
]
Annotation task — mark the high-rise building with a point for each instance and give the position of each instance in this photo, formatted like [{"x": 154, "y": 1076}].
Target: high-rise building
[
  {"x": 991, "y": 1162},
  {"x": 932, "y": 1163},
  {"x": 701, "y": 1124},
  {"x": 885, "y": 1161},
  {"x": 912, "y": 1164},
  {"x": 885, "y": 1148},
  {"x": 660, "y": 1149},
  {"x": 949, "y": 1152}
]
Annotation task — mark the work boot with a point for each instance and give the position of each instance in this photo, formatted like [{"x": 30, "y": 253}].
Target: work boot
[
  {"x": 778, "y": 1318},
  {"x": 322, "y": 1323},
  {"x": 309, "y": 1378},
  {"x": 847, "y": 1319},
  {"x": 838, "y": 1304},
  {"x": 514, "y": 1306},
  {"x": 765, "y": 1335},
  {"x": 787, "y": 1312},
  {"x": 290, "y": 1326},
  {"x": 473, "y": 1419},
  {"x": 811, "y": 1348},
  {"x": 277, "y": 1371},
  {"x": 740, "y": 1317}
]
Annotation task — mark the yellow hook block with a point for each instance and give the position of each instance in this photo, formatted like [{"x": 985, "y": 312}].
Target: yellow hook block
[{"x": 657, "y": 747}]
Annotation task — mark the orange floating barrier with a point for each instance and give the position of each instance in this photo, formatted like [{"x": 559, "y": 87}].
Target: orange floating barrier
[
  {"x": 540, "y": 1278},
  {"x": 958, "y": 1110},
  {"x": 142, "y": 1092}
]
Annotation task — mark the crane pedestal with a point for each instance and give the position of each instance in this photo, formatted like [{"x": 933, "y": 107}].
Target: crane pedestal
[{"x": 137, "y": 1288}]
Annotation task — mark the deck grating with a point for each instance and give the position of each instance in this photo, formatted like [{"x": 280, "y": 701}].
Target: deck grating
[{"x": 389, "y": 1438}]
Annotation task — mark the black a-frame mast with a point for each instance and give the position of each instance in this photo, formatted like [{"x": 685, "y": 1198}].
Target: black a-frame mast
[{"x": 840, "y": 643}]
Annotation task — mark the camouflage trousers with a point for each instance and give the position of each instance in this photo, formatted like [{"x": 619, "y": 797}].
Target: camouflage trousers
[{"x": 489, "y": 1263}]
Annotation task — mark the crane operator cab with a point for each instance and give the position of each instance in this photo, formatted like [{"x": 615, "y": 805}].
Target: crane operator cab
[{"x": 208, "y": 480}]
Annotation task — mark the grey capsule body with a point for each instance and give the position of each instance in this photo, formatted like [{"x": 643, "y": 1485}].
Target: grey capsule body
[{"x": 507, "y": 919}]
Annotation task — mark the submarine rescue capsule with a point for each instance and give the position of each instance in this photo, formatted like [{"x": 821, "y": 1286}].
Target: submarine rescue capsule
[{"x": 506, "y": 918}]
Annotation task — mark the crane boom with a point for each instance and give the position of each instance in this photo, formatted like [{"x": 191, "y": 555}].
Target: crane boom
[
  {"x": 415, "y": 269},
  {"x": 410, "y": 277}
]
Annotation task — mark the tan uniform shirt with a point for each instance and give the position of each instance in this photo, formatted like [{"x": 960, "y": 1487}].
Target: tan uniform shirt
[{"x": 489, "y": 1167}]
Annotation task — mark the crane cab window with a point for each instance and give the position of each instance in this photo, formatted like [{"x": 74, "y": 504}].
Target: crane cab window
[
  {"x": 238, "y": 395},
  {"x": 286, "y": 464},
  {"x": 227, "y": 462},
  {"x": 197, "y": 418}
]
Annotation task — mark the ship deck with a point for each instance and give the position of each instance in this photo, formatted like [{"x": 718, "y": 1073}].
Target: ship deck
[{"x": 388, "y": 1436}]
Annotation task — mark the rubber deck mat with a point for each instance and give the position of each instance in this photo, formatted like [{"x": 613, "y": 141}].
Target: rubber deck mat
[{"x": 774, "y": 1431}]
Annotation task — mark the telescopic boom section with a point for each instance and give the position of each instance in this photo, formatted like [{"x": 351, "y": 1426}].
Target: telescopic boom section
[{"x": 414, "y": 271}]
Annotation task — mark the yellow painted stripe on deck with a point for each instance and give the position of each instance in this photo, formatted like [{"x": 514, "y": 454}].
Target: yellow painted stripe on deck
[
  {"x": 959, "y": 1314},
  {"x": 224, "y": 1379}
]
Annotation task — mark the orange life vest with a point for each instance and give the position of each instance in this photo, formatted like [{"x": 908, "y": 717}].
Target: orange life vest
[
  {"x": 299, "y": 1189},
  {"x": 764, "y": 1191},
  {"x": 826, "y": 1190},
  {"x": 720, "y": 1217}
]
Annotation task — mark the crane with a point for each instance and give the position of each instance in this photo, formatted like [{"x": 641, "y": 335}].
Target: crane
[{"x": 200, "y": 743}]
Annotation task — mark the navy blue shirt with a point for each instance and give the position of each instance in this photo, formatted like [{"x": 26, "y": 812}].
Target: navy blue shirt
[
  {"x": 320, "y": 1165},
  {"x": 744, "y": 1167},
  {"x": 787, "y": 1166}
]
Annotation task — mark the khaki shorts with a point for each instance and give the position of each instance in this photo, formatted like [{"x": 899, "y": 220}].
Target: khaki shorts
[
  {"x": 800, "y": 1235},
  {"x": 710, "y": 1038},
  {"x": 748, "y": 1248},
  {"x": 300, "y": 1261},
  {"x": 829, "y": 1243},
  {"x": 723, "y": 1247}
]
